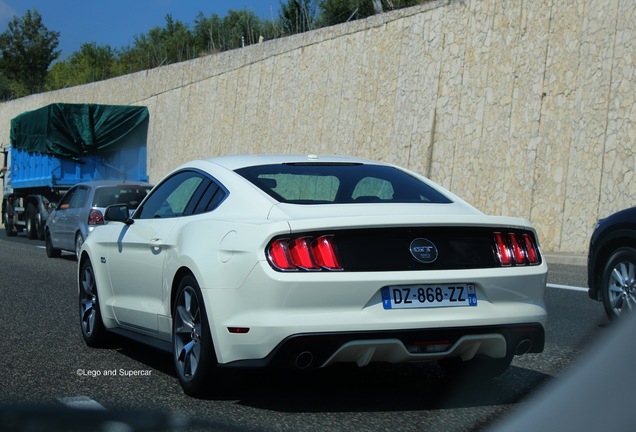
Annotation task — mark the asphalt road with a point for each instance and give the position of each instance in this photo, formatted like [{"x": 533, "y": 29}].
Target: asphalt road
[{"x": 49, "y": 376}]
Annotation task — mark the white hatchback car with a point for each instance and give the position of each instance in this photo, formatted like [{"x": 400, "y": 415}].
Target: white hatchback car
[{"x": 307, "y": 261}]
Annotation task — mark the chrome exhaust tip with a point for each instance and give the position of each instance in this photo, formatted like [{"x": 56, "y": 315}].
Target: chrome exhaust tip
[
  {"x": 304, "y": 360},
  {"x": 523, "y": 347}
]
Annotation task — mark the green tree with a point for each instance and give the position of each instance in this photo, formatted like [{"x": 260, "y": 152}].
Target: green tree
[
  {"x": 160, "y": 46},
  {"x": 6, "y": 91},
  {"x": 240, "y": 28},
  {"x": 207, "y": 33},
  {"x": 297, "y": 16},
  {"x": 334, "y": 12},
  {"x": 270, "y": 30},
  {"x": 91, "y": 63},
  {"x": 235, "y": 30},
  {"x": 28, "y": 48}
]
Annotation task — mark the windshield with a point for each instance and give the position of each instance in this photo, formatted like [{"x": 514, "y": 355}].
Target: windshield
[{"x": 328, "y": 183}]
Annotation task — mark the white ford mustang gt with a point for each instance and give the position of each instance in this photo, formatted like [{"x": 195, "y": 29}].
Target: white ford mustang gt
[{"x": 307, "y": 261}]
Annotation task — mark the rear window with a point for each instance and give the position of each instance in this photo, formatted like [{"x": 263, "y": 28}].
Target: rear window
[
  {"x": 325, "y": 183},
  {"x": 132, "y": 195}
]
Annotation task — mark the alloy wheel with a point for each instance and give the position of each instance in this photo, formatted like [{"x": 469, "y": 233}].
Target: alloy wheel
[
  {"x": 88, "y": 301},
  {"x": 79, "y": 241},
  {"x": 187, "y": 334},
  {"x": 622, "y": 287}
]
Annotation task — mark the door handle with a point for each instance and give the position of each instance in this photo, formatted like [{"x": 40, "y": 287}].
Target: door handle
[{"x": 155, "y": 245}]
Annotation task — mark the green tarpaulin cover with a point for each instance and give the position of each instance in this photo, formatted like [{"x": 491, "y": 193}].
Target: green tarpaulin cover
[{"x": 72, "y": 130}]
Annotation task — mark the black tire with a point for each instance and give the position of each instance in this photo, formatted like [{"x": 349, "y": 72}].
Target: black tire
[
  {"x": 479, "y": 368},
  {"x": 51, "y": 252},
  {"x": 39, "y": 226},
  {"x": 79, "y": 241},
  {"x": 193, "y": 351},
  {"x": 9, "y": 229},
  {"x": 31, "y": 222},
  {"x": 91, "y": 324},
  {"x": 618, "y": 283}
]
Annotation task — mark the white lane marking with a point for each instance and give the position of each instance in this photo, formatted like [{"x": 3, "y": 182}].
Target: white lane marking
[
  {"x": 81, "y": 402},
  {"x": 567, "y": 287}
]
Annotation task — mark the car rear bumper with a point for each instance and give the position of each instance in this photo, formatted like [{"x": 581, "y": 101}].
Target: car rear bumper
[
  {"x": 273, "y": 312},
  {"x": 305, "y": 351}
]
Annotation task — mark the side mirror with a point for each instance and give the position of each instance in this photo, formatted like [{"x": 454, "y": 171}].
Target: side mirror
[{"x": 117, "y": 213}]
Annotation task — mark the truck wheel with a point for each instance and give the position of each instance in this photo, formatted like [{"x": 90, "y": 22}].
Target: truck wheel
[
  {"x": 8, "y": 226},
  {"x": 51, "y": 252},
  {"x": 31, "y": 227},
  {"x": 39, "y": 226}
]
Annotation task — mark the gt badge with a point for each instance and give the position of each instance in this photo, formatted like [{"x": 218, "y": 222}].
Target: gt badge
[{"x": 423, "y": 250}]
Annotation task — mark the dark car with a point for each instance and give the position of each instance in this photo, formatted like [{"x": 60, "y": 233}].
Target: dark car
[
  {"x": 611, "y": 263},
  {"x": 82, "y": 208}
]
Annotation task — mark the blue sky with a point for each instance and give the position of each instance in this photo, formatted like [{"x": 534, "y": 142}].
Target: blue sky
[{"x": 116, "y": 22}]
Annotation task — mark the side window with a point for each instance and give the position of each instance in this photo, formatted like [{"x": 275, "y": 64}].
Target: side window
[
  {"x": 65, "y": 202},
  {"x": 195, "y": 202},
  {"x": 207, "y": 197},
  {"x": 79, "y": 198},
  {"x": 216, "y": 198},
  {"x": 212, "y": 197},
  {"x": 171, "y": 197}
]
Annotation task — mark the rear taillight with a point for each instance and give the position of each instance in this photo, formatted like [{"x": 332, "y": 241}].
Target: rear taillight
[
  {"x": 515, "y": 249},
  {"x": 278, "y": 255},
  {"x": 95, "y": 217},
  {"x": 325, "y": 253},
  {"x": 531, "y": 249},
  {"x": 502, "y": 251},
  {"x": 304, "y": 253}
]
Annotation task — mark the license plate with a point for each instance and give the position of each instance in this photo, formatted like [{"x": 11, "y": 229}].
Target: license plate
[{"x": 424, "y": 296}]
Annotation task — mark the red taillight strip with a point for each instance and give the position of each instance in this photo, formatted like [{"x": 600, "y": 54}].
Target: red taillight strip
[
  {"x": 518, "y": 253},
  {"x": 301, "y": 254},
  {"x": 304, "y": 253},
  {"x": 325, "y": 253},
  {"x": 503, "y": 252},
  {"x": 531, "y": 248},
  {"x": 515, "y": 249},
  {"x": 279, "y": 256}
]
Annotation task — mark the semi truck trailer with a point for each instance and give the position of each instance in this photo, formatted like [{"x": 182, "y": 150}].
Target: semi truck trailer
[{"x": 57, "y": 146}]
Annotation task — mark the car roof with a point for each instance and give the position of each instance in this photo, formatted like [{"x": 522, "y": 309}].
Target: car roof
[
  {"x": 234, "y": 162},
  {"x": 99, "y": 183}
]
